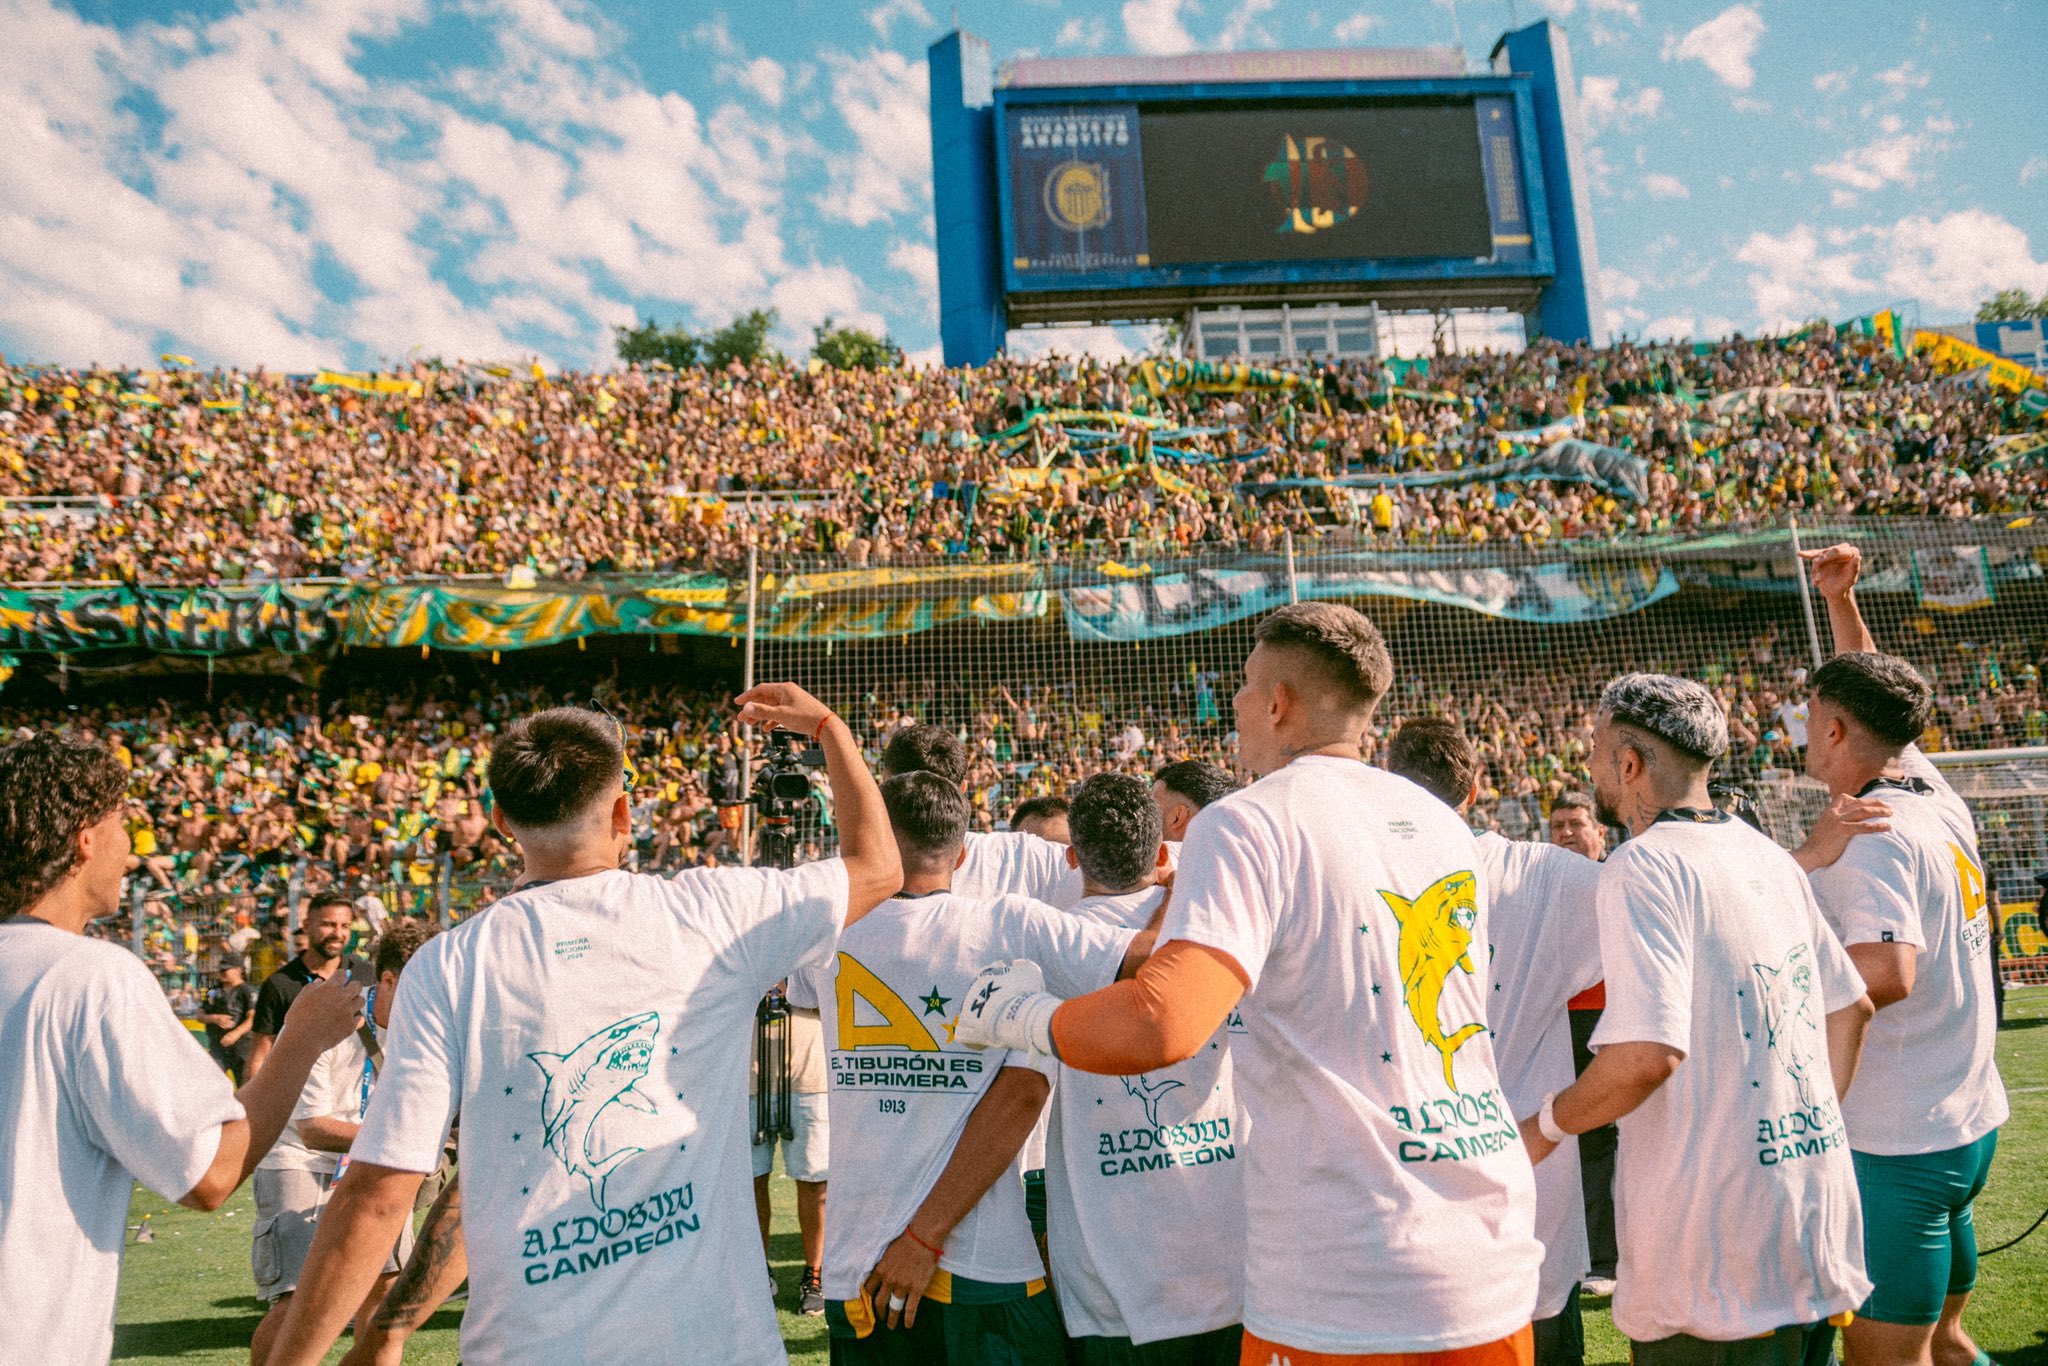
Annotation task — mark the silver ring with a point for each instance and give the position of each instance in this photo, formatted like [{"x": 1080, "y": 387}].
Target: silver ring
[{"x": 896, "y": 1302}]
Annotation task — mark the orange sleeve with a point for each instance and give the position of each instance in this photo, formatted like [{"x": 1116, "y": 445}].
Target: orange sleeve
[{"x": 1161, "y": 1016}]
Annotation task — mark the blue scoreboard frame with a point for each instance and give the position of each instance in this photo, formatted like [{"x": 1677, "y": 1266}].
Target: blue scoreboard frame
[
  {"x": 1551, "y": 273},
  {"x": 1535, "y": 260}
]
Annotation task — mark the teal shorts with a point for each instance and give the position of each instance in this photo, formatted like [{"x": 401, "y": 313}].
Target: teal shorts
[{"x": 1919, "y": 1235}]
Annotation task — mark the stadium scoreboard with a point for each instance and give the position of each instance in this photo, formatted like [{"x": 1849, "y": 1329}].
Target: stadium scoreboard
[{"x": 1100, "y": 189}]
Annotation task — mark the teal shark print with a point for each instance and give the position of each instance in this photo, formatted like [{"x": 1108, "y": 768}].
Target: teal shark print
[{"x": 587, "y": 1081}]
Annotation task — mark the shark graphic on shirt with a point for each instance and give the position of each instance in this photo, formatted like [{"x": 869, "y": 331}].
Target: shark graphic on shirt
[
  {"x": 1149, "y": 1093},
  {"x": 1436, "y": 933},
  {"x": 583, "y": 1084},
  {"x": 1789, "y": 1026}
]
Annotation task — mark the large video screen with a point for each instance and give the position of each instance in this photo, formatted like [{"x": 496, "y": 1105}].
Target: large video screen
[{"x": 1313, "y": 182}]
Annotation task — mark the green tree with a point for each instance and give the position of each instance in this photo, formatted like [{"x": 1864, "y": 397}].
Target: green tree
[
  {"x": 744, "y": 339},
  {"x": 2011, "y": 306},
  {"x": 650, "y": 341},
  {"x": 849, "y": 348}
]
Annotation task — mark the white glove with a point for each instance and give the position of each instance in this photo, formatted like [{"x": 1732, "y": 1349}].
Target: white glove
[{"x": 1008, "y": 1007}]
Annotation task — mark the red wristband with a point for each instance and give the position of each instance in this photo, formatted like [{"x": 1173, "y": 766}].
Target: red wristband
[
  {"x": 821, "y": 727},
  {"x": 922, "y": 1243}
]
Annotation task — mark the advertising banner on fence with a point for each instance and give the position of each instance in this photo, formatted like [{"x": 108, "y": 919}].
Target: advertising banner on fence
[
  {"x": 1954, "y": 578},
  {"x": 291, "y": 618},
  {"x": 1200, "y": 600}
]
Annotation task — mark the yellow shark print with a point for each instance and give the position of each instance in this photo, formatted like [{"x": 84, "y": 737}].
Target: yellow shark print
[{"x": 1436, "y": 931}]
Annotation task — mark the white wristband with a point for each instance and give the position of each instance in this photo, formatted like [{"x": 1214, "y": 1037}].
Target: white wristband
[{"x": 1546, "y": 1120}]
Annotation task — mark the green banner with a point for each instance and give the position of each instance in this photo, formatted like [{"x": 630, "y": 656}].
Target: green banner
[{"x": 291, "y": 618}]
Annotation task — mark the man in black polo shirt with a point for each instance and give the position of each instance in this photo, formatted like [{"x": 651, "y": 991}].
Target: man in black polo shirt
[
  {"x": 225, "y": 1013},
  {"x": 328, "y": 927}
]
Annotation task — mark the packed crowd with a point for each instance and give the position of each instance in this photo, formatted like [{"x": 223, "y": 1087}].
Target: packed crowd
[
  {"x": 378, "y": 790},
  {"x": 190, "y": 477}
]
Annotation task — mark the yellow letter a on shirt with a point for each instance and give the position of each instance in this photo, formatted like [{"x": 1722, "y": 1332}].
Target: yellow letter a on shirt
[{"x": 900, "y": 1027}]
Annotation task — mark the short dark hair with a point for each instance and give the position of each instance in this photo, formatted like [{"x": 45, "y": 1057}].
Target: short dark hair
[
  {"x": 926, "y": 749},
  {"x": 1346, "y": 647},
  {"x": 549, "y": 767},
  {"x": 1432, "y": 752},
  {"x": 1882, "y": 693},
  {"x": 401, "y": 939},
  {"x": 325, "y": 899},
  {"x": 52, "y": 787},
  {"x": 1683, "y": 715},
  {"x": 927, "y": 814},
  {"x": 1117, "y": 828},
  {"x": 1199, "y": 782},
  {"x": 1037, "y": 808},
  {"x": 1575, "y": 801}
]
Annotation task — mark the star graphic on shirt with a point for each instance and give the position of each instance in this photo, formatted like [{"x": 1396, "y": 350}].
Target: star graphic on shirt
[
  {"x": 1386, "y": 1057},
  {"x": 1755, "y": 1084},
  {"x": 935, "y": 1004},
  {"x": 1375, "y": 991},
  {"x": 1365, "y": 929}
]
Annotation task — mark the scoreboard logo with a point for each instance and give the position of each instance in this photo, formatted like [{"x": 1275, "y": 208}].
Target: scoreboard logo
[
  {"x": 1316, "y": 184},
  {"x": 1077, "y": 196}
]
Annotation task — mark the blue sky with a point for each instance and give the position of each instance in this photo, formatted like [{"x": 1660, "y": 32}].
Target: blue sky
[{"x": 343, "y": 182}]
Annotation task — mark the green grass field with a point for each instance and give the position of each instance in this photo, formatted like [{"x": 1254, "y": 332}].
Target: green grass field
[{"x": 186, "y": 1298}]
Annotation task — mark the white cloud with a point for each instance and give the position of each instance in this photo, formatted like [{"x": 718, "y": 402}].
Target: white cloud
[
  {"x": 1889, "y": 160},
  {"x": 1661, "y": 186},
  {"x": 1603, "y": 106},
  {"x": 765, "y": 76},
  {"x": 1243, "y": 27},
  {"x": 1724, "y": 44},
  {"x": 1104, "y": 343},
  {"x": 1617, "y": 286},
  {"x": 1089, "y": 34},
  {"x": 920, "y": 262},
  {"x": 1671, "y": 327},
  {"x": 716, "y": 34},
  {"x": 271, "y": 156},
  {"x": 1631, "y": 10},
  {"x": 2034, "y": 166},
  {"x": 1155, "y": 27},
  {"x": 1903, "y": 79},
  {"x": 1356, "y": 28},
  {"x": 1831, "y": 82},
  {"x": 883, "y": 97},
  {"x": 1947, "y": 265},
  {"x": 885, "y": 15}
]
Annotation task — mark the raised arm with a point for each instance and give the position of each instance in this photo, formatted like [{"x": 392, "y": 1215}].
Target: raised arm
[
  {"x": 873, "y": 871},
  {"x": 1835, "y": 571},
  {"x": 324, "y": 1014}
]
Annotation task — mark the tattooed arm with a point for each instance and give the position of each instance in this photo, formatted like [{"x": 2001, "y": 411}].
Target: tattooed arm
[{"x": 438, "y": 1264}]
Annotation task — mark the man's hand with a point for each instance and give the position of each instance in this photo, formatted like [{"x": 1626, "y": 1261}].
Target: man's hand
[
  {"x": 897, "y": 1283},
  {"x": 1532, "y": 1138},
  {"x": 1845, "y": 818},
  {"x": 1834, "y": 569},
  {"x": 782, "y": 705},
  {"x": 1008, "y": 1007},
  {"x": 327, "y": 1011}
]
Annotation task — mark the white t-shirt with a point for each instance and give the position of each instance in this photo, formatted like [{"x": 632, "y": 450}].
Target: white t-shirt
[
  {"x": 1545, "y": 930},
  {"x": 1013, "y": 863},
  {"x": 333, "y": 1090},
  {"x": 1929, "y": 1077},
  {"x": 100, "y": 1087},
  {"x": 902, "y": 1090},
  {"x": 1735, "y": 1203},
  {"x": 1389, "y": 1201},
  {"x": 1144, "y": 1185},
  {"x": 594, "y": 1035}
]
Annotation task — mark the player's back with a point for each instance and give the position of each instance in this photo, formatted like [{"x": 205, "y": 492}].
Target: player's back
[
  {"x": 902, "y": 1090},
  {"x": 1929, "y": 1079},
  {"x": 1390, "y": 1202}
]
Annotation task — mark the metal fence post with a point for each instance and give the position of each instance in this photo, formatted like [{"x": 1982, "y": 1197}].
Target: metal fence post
[
  {"x": 442, "y": 903},
  {"x": 137, "y": 898},
  {"x": 294, "y": 898},
  {"x": 1293, "y": 584},
  {"x": 747, "y": 683}
]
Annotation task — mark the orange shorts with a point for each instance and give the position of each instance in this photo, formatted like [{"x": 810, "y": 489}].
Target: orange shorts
[{"x": 1516, "y": 1349}]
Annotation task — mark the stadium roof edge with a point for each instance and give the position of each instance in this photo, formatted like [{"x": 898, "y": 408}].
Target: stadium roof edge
[{"x": 1303, "y": 64}]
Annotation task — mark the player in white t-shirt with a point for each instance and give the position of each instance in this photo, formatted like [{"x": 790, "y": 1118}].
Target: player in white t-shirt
[
  {"x": 1003, "y": 863},
  {"x": 1910, "y": 904},
  {"x": 1389, "y": 1207},
  {"x": 1144, "y": 1174},
  {"x": 929, "y": 1257},
  {"x": 1732, "y": 1027},
  {"x": 314, "y": 1147},
  {"x": 1545, "y": 949},
  {"x": 100, "y": 1085},
  {"x": 592, "y": 1028},
  {"x": 1183, "y": 788}
]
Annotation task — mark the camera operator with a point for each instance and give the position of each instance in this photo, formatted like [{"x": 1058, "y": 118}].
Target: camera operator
[{"x": 591, "y": 1031}]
